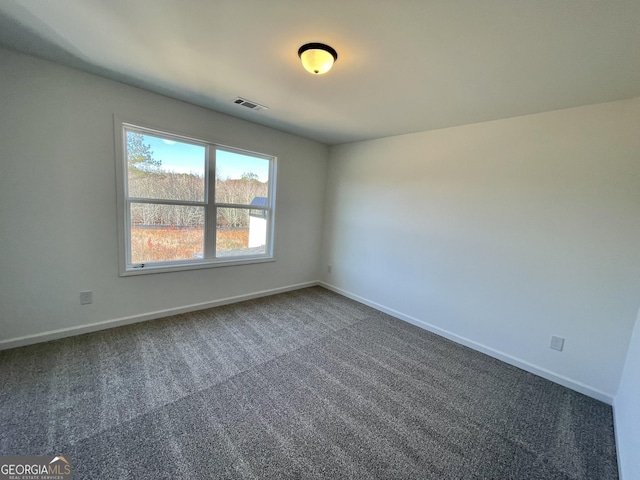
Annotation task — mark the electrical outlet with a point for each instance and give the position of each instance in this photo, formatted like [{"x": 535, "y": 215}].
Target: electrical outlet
[
  {"x": 86, "y": 297},
  {"x": 557, "y": 343},
  {"x": 328, "y": 268}
]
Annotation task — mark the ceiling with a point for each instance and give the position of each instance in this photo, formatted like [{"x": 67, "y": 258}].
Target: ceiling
[{"x": 404, "y": 65}]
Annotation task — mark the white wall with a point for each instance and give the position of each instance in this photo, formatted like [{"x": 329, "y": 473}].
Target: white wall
[
  {"x": 627, "y": 411},
  {"x": 58, "y": 229},
  {"x": 499, "y": 235}
]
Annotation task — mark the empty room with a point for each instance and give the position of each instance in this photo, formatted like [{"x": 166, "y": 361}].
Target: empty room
[{"x": 320, "y": 239}]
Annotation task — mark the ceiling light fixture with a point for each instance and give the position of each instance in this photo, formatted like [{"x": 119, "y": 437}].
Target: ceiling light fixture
[{"x": 317, "y": 58}]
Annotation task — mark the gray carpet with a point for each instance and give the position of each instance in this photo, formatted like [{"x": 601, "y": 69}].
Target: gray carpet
[{"x": 306, "y": 384}]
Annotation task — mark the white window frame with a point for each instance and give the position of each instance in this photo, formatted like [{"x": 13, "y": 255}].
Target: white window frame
[{"x": 209, "y": 260}]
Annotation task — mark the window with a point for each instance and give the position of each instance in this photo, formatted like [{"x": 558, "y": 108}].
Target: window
[{"x": 185, "y": 203}]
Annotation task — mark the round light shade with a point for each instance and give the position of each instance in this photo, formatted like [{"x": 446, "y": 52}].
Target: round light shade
[{"x": 317, "y": 58}]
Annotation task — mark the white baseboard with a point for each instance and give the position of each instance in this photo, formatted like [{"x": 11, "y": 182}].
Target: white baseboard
[
  {"x": 117, "y": 322},
  {"x": 511, "y": 360}
]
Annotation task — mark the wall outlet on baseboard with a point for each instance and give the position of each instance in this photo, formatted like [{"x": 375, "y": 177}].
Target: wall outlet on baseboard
[
  {"x": 86, "y": 297},
  {"x": 557, "y": 343},
  {"x": 329, "y": 268}
]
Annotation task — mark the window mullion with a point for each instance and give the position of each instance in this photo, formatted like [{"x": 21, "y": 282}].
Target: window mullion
[
  {"x": 241, "y": 205},
  {"x": 210, "y": 208},
  {"x": 154, "y": 201}
]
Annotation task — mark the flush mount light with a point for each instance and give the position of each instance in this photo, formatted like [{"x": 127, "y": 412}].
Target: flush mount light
[{"x": 317, "y": 58}]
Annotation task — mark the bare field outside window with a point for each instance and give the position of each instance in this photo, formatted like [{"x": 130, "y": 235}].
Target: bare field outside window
[{"x": 171, "y": 243}]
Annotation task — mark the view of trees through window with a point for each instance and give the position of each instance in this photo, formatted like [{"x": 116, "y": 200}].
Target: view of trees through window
[{"x": 166, "y": 184}]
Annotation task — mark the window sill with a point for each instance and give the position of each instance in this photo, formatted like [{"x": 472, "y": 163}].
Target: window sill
[{"x": 179, "y": 267}]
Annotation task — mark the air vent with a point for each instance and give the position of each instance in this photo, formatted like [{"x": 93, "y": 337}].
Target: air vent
[{"x": 249, "y": 104}]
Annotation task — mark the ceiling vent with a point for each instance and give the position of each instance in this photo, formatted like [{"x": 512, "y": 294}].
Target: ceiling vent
[{"x": 249, "y": 104}]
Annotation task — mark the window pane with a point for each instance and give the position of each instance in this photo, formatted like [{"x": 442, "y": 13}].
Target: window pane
[
  {"x": 240, "y": 231},
  {"x": 240, "y": 178},
  {"x": 161, "y": 233},
  {"x": 164, "y": 169}
]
